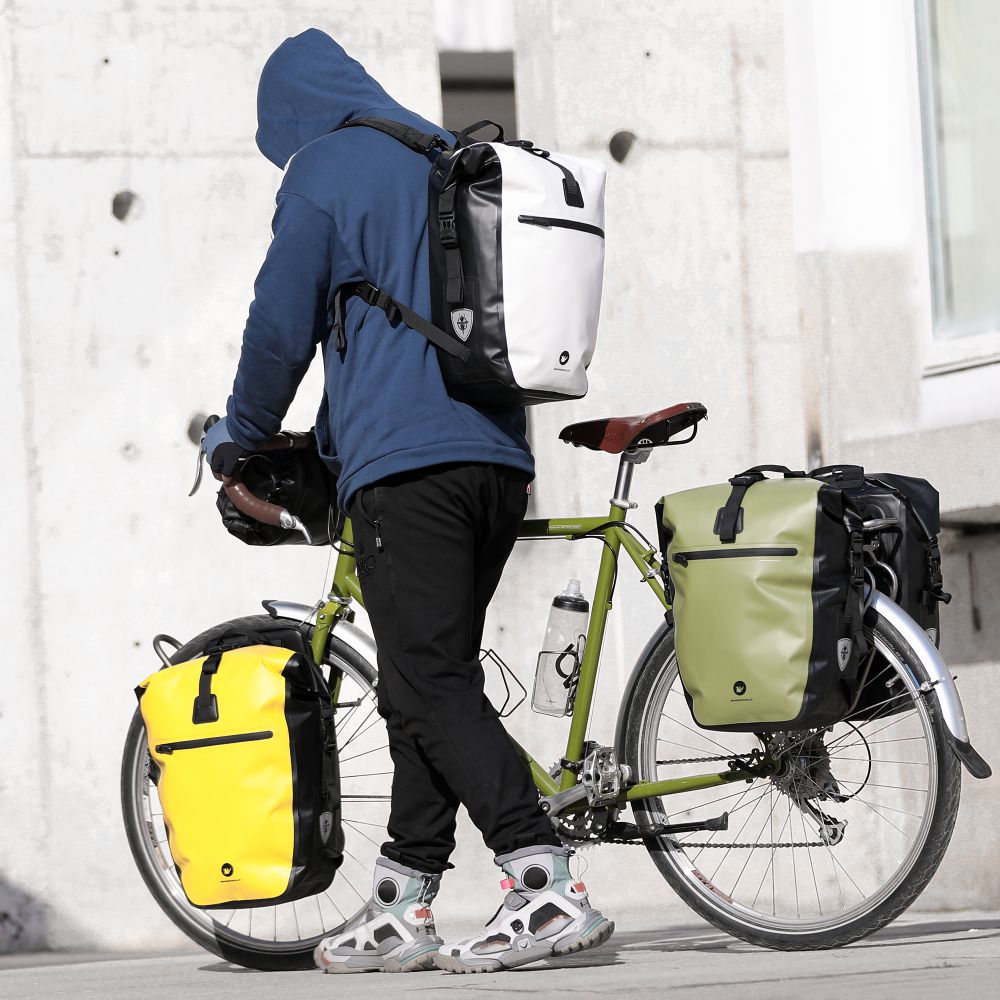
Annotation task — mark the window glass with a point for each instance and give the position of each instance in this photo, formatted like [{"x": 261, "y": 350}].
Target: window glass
[{"x": 960, "y": 80}]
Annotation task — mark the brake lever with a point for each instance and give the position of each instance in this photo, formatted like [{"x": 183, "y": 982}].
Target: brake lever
[
  {"x": 198, "y": 469},
  {"x": 200, "y": 460},
  {"x": 291, "y": 521}
]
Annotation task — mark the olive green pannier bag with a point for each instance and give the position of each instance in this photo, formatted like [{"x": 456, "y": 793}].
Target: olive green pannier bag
[{"x": 767, "y": 584}]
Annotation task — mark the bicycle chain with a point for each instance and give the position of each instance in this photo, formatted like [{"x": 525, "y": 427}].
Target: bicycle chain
[
  {"x": 700, "y": 760},
  {"x": 686, "y": 844},
  {"x": 797, "y": 843}
]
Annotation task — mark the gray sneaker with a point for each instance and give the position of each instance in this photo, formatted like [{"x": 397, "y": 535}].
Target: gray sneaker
[
  {"x": 393, "y": 931},
  {"x": 546, "y": 913}
]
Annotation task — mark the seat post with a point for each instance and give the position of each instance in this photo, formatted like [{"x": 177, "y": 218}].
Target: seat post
[{"x": 631, "y": 457}]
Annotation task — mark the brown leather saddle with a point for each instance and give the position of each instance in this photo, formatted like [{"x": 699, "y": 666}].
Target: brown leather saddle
[{"x": 650, "y": 430}]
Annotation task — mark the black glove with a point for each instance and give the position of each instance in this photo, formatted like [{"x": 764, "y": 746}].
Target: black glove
[
  {"x": 226, "y": 458},
  {"x": 223, "y": 452}
]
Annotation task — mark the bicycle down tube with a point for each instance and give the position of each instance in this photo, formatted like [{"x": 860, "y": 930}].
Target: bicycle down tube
[{"x": 615, "y": 536}]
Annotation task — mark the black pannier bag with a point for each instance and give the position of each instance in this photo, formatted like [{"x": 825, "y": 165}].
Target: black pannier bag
[
  {"x": 904, "y": 558},
  {"x": 296, "y": 479},
  {"x": 908, "y": 549}
]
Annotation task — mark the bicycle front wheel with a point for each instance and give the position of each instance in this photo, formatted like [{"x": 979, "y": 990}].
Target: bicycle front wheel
[
  {"x": 283, "y": 936},
  {"x": 804, "y": 864}
]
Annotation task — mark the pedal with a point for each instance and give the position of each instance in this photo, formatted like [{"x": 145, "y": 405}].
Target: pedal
[{"x": 603, "y": 777}]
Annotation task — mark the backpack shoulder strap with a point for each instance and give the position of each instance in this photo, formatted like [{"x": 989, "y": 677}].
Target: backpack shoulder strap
[
  {"x": 412, "y": 138},
  {"x": 396, "y": 311}
]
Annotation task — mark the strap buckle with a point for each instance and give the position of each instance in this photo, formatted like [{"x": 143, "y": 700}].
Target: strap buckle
[
  {"x": 857, "y": 558},
  {"x": 448, "y": 231}
]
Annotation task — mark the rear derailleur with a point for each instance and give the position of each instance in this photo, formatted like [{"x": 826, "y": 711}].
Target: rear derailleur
[{"x": 804, "y": 775}]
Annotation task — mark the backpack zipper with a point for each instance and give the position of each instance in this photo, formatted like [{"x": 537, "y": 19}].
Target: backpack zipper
[
  {"x": 546, "y": 222},
  {"x": 683, "y": 558},
  {"x": 212, "y": 741}
]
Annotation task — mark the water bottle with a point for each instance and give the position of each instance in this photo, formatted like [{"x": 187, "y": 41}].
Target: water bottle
[{"x": 562, "y": 650}]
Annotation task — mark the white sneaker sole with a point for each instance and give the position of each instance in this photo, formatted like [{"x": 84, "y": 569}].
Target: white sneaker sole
[
  {"x": 420, "y": 960},
  {"x": 590, "y": 937}
]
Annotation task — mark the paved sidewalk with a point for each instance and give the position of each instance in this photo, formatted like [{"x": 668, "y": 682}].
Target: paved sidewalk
[{"x": 933, "y": 957}]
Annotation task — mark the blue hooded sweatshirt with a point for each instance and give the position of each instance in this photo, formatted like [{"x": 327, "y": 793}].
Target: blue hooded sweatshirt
[{"x": 352, "y": 206}]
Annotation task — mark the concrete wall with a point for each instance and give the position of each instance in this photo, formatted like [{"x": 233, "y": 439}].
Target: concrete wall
[{"x": 115, "y": 335}]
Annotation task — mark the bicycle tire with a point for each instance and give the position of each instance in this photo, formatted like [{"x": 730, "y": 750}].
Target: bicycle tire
[
  {"x": 945, "y": 812},
  {"x": 214, "y": 938}
]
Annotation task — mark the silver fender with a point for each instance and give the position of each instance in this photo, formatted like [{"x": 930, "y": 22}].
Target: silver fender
[
  {"x": 940, "y": 677},
  {"x": 359, "y": 641}
]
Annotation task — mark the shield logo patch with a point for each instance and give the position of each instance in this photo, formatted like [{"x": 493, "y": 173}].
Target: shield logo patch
[
  {"x": 844, "y": 649},
  {"x": 461, "y": 323},
  {"x": 325, "y": 826}
]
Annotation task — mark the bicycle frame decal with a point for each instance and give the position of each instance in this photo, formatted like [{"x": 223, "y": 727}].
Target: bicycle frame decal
[{"x": 614, "y": 532}]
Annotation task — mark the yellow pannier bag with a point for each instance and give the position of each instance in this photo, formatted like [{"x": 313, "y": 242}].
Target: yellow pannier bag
[{"x": 243, "y": 740}]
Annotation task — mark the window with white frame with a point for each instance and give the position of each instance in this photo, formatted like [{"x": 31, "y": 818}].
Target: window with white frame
[{"x": 959, "y": 41}]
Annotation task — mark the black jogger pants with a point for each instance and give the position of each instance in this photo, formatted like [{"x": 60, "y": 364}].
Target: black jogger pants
[{"x": 431, "y": 546}]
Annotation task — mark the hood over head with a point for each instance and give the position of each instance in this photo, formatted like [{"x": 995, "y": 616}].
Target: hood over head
[{"x": 309, "y": 87}]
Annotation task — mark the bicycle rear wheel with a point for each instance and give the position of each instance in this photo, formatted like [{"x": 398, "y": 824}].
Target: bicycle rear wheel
[
  {"x": 786, "y": 874},
  {"x": 284, "y": 936}
]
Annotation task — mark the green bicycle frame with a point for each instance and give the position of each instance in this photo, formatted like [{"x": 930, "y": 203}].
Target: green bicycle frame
[{"x": 345, "y": 589}]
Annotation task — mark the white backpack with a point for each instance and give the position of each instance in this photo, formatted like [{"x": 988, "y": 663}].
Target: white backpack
[{"x": 516, "y": 267}]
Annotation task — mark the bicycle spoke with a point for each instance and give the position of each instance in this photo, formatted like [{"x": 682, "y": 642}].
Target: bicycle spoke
[
  {"x": 364, "y": 753},
  {"x": 371, "y": 711},
  {"x": 705, "y": 805},
  {"x": 695, "y": 731},
  {"x": 339, "y": 723},
  {"x": 770, "y": 864},
  {"x": 895, "y": 722},
  {"x": 845, "y": 871},
  {"x": 743, "y": 795},
  {"x": 340, "y": 912},
  {"x": 363, "y": 834},
  {"x": 873, "y": 784},
  {"x": 795, "y": 874},
  {"x": 890, "y": 822},
  {"x": 348, "y": 881},
  {"x": 882, "y": 805},
  {"x": 737, "y": 837},
  {"x": 812, "y": 867},
  {"x": 360, "y": 732},
  {"x": 881, "y": 760},
  {"x": 674, "y": 743}
]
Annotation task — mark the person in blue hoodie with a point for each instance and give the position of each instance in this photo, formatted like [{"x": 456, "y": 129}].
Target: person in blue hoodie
[{"x": 436, "y": 490}]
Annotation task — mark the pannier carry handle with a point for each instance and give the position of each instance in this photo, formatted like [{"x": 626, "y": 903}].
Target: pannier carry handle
[
  {"x": 463, "y": 137},
  {"x": 783, "y": 469},
  {"x": 729, "y": 520},
  {"x": 206, "y": 706},
  {"x": 847, "y": 475}
]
